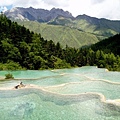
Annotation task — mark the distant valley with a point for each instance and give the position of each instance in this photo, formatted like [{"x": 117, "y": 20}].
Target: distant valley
[{"x": 60, "y": 26}]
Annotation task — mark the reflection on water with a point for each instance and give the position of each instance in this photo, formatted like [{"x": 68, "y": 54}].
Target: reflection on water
[{"x": 68, "y": 94}]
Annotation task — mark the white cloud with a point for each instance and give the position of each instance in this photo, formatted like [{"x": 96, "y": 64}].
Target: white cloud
[
  {"x": 57, "y": 2},
  {"x": 97, "y": 1},
  {"x": 46, "y": 4},
  {"x": 3, "y": 9},
  {"x": 96, "y": 8},
  {"x": 6, "y": 2},
  {"x": 108, "y": 9}
]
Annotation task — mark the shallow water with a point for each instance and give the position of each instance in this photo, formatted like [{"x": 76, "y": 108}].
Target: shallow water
[{"x": 66, "y": 94}]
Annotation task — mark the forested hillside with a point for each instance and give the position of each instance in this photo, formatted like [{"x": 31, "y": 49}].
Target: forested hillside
[
  {"x": 20, "y": 48},
  {"x": 109, "y": 45},
  {"x": 23, "y": 49},
  {"x": 62, "y": 34}
]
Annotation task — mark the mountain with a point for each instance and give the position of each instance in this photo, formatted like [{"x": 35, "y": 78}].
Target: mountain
[
  {"x": 39, "y": 15},
  {"x": 60, "y": 25},
  {"x": 62, "y": 34},
  {"x": 102, "y": 28}
]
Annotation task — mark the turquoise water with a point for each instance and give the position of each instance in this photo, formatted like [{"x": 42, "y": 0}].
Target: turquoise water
[
  {"x": 29, "y": 74},
  {"x": 111, "y": 91},
  {"x": 66, "y": 94}
]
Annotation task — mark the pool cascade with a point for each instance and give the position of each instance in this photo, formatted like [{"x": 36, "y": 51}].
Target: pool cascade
[{"x": 85, "y": 93}]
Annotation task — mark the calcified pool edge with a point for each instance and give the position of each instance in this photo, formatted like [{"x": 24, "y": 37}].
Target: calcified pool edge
[
  {"x": 79, "y": 97},
  {"x": 62, "y": 99}
]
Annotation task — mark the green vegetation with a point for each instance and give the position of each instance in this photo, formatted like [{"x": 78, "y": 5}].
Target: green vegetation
[
  {"x": 101, "y": 28},
  {"x": 100, "y": 58},
  {"x": 109, "y": 45},
  {"x": 10, "y": 65},
  {"x": 63, "y": 34},
  {"x": 9, "y": 76},
  {"x": 24, "y": 49}
]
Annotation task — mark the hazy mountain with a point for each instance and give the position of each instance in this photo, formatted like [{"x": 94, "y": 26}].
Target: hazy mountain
[
  {"x": 60, "y": 25},
  {"x": 40, "y": 15}
]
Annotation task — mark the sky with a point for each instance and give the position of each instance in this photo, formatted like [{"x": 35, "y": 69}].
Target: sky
[{"x": 109, "y": 9}]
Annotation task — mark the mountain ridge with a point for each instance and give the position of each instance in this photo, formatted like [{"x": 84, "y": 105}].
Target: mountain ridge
[
  {"x": 68, "y": 14},
  {"x": 41, "y": 15},
  {"x": 101, "y": 28},
  {"x": 53, "y": 16}
]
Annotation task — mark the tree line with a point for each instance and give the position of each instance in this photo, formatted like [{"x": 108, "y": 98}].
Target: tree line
[{"x": 22, "y": 49}]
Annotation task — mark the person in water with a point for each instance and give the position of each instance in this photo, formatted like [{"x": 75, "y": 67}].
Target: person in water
[{"x": 20, "y": 85}]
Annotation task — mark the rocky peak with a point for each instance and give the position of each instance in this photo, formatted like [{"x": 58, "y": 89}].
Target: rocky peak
[{"x": 40, "y": 15}]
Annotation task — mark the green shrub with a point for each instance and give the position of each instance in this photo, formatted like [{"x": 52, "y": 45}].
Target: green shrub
[
  {"x": 9, "y": 76},
  {"x": 10, "y": 66}
]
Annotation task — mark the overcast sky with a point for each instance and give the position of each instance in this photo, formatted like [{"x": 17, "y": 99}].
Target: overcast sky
[{"x": 109, "y": 9}]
